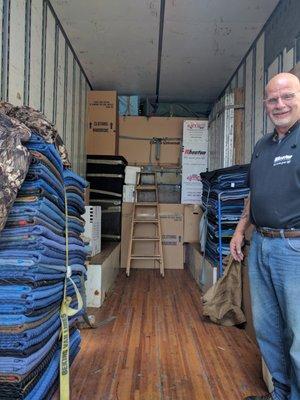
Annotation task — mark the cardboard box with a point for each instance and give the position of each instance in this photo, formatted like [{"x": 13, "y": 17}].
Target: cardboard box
[
  {"x": 195, "y": 143},
  {"x": 102, "y": 122},
  {"x": 92, "y": 228},
  {"x": 128, "y": 193},
  {"x": 192, "y": 217},
  {"x": 192, "y": 154},
  {"x": 191, "y": 174},
  {"x": 194, "y": 160},
  {"x": 131, "y": 174},
  {"x": 196, "y": 130},
  {"x": 191, "y": 189},
  {"x": 140, "y": 152},
  {"x": 101, "y": 274},
  {"x": 172, "y": 218}
]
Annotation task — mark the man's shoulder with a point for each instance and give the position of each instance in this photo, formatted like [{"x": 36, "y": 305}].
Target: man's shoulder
[{"x": 265, "y": 138}]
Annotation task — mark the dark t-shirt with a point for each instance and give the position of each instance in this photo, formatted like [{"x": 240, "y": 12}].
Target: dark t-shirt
[{"x": 274, "y": 181}]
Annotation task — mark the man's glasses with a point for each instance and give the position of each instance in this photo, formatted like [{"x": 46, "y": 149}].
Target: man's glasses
[{"x": 285, "y": 98}]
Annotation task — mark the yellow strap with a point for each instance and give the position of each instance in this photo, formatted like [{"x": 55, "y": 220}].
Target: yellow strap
[
  {"x": 65, "y": 312},
  {"x": 64, "y": 355}
]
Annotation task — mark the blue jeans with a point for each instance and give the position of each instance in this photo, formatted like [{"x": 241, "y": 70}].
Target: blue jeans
[{"x": 274, "y": 275}]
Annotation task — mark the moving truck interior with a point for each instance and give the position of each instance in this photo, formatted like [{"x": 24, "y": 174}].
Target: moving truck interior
[{"x": 126, "y": 134}]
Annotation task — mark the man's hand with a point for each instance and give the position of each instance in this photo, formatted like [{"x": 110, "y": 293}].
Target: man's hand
[{"x": 236, "y": 244}]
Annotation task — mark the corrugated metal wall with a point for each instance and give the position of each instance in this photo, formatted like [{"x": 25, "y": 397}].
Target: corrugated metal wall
[
  {"x": 276, "y": 49},
  {"x": 40, "y": 69}
]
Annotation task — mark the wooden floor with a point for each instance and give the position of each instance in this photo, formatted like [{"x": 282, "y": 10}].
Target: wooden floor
[{"x": 159, "y": 347}]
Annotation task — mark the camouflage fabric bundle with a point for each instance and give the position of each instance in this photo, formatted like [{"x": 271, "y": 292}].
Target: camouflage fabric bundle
[
  {"x": 14, "y": 162},
  {"x": 16, "y": 124},
  {"x": 37, "y": 122}
]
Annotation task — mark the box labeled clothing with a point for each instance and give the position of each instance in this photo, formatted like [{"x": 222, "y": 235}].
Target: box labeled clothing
[
  {"x": 102, "y": 122},
  {"x": 131, "y": 174},
  {"x": 128, "y": 193},
  {"x": 129, "y": 105},
  {"x": 92, "y": 228},
  {"x": 171, "y": 218}
]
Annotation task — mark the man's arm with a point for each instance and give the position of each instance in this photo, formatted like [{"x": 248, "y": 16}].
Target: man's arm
[{"x": 239, "y": 234}]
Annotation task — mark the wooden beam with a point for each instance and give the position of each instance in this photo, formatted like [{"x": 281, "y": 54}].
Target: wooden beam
[{"x": 239, "y": 126}]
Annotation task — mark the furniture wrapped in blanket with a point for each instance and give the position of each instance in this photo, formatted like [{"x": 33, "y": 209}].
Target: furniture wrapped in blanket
[
  {"x": 224, "y": 193},
  {"x": 33, "y": 265},
  {"x": 106, "y": 175},
  {"x": 16, "y": 125}
]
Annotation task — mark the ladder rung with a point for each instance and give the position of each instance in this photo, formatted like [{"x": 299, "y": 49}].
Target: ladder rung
[
  {"x": 146, "y": 204},
  {"x": 149, "y": 221},
  {"x": 135, "y": 257},
  {"x": 145, "y": 239},
  {"x": 146, "y": 187}
]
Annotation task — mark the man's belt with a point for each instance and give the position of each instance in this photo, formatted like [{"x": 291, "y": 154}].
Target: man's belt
[{"x": 276, "y": 233}]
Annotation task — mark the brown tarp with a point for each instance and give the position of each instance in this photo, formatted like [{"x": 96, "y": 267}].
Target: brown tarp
[{"x": 222, "y": 303}]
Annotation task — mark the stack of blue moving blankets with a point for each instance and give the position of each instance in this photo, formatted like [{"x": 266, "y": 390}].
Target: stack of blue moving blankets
[
  {"x": 32, "y": 275},
  {"x": 224, "y": 192}
]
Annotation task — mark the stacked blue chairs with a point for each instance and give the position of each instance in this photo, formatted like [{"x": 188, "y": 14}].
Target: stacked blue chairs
[
  {"x": 224, "y": 193},
  {"x": 33, "y": 268}
]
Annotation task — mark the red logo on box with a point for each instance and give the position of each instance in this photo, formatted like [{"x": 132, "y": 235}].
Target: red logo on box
[{"x": 194, "y": 178}]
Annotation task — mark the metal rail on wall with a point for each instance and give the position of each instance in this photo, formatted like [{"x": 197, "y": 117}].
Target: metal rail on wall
[{"x": 157, "y": 141}]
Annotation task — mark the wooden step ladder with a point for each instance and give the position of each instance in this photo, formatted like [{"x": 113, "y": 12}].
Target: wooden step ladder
[{"x": 143, "y": 189}]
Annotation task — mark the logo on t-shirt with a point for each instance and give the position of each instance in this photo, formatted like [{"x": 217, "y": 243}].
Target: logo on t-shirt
[{"x": 282, "y": 160}]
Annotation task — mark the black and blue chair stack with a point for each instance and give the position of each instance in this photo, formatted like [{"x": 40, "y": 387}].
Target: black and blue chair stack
[
  {"x": 224, "y": 192},
  {"x": 32, "y": 274}
]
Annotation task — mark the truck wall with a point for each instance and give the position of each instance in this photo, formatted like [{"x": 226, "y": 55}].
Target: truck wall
[
  {"x": 276, "y": 49},
  {"x": 40, "y": 69}
]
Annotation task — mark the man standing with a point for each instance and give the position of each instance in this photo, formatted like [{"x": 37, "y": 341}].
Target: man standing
[{"x": 274, "y": 258}]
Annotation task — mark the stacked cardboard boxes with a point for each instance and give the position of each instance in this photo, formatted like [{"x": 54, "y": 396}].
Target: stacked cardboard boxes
[{"x": 194, "y": 160}]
